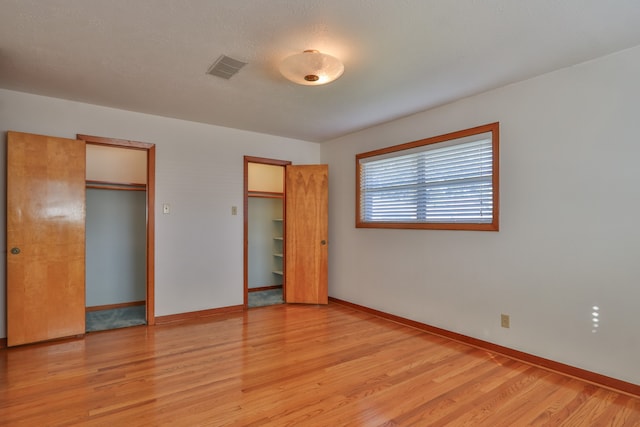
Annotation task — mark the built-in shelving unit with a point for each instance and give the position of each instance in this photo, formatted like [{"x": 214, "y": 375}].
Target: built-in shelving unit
[{"x": 278, "y": 248}]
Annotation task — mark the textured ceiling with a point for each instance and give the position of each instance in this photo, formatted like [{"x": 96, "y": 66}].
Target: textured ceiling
[{"x": 401, "y": 56}]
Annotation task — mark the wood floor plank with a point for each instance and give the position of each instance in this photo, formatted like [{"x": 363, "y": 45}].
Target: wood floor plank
[{"x": 290, "y": 365}]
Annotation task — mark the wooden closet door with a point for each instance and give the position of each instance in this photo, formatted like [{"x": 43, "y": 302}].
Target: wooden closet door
[
  {"x": 45, "y": 238},
  {"x": 306, "y": 224}
]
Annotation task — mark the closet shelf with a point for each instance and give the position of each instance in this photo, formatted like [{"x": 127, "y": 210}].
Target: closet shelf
[
  {"x": 278, "y": 255},
  {"x": 277, "y": 238},
  {"x": 280, "y": 273}
]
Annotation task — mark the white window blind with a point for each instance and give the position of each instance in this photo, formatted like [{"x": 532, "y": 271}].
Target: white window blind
[{"x": 437, "y": 183}]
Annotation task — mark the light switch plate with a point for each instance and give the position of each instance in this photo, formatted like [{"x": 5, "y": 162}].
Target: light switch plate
[{"x": 505, "y": 321}]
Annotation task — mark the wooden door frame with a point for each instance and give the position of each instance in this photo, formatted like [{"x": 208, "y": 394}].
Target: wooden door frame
[
  {"x": 151, "y": 196},
  {"x": 245, "y": 210}
]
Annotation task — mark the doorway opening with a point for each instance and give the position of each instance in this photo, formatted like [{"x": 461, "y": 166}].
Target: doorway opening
[
  {"x": 120, "y": 233},
  {"x": 264, "y": 231}
]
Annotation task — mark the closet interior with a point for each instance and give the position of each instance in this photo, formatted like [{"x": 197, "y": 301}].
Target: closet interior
[
  {"x": 265, "y": 234},
  {"x": 116, "y": 216}
]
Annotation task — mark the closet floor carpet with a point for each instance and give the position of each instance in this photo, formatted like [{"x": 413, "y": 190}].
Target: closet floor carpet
[
  {"x": 263, "y": 298},
  {"x": 103, "y": 320}
]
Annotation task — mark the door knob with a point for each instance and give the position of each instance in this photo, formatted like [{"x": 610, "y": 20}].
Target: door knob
[
  {"x": 323, "y": 242},
  {"x": 15, "y": 251}
]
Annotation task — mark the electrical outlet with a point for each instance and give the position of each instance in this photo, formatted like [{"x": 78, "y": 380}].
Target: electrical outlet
[
  {"x": 234, "y": 210},
  {"x": 505, "y": 321}
]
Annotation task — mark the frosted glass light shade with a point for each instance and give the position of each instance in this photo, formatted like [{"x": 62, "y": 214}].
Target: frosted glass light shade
[{"x": 311, "y": 68}]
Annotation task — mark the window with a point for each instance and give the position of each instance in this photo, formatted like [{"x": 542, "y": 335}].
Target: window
[{"x": 446, "y": 182}]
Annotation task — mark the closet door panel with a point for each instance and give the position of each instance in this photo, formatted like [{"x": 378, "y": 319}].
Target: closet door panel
[
  {"x": 45, "y": 238},
  {"x": 306, "y": 224}
]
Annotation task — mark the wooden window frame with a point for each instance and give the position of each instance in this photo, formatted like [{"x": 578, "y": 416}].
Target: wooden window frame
[{"x": 493, "y": 128}]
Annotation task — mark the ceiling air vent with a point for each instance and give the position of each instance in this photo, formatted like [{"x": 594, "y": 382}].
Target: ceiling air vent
[{"x": 225, "y": 67}]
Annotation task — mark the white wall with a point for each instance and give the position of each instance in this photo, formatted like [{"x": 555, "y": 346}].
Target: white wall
[
  {"x": 116, "y": 246},
  {"x": 261, "y": 177},
  {"x": 199, "y": 171},
  {"x": 116, "y": 164},
  {"x": 569, "y": 237}
]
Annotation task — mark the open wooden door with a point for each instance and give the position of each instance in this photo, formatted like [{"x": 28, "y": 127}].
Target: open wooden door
[
  {"x": 45, "y": 238},
  {"x": 306, "y": 225}
]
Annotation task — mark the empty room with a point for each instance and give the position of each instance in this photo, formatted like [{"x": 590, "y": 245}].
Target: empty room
[{"x": 320, "y": 213}]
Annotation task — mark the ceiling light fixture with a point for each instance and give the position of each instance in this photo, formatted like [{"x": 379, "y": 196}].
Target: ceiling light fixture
[{"x": 311, "y": 68}]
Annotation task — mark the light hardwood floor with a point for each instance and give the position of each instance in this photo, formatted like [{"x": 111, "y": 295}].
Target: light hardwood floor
[{"x": 290, "y": 365}]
